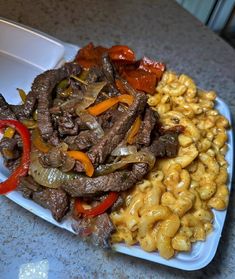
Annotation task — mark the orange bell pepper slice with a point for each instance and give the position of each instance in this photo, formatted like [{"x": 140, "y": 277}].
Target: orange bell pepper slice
[
  {"x": 134, "y": 130},
  {"x": 107, "y": 104},
  {"x": 84, "y": 159}
]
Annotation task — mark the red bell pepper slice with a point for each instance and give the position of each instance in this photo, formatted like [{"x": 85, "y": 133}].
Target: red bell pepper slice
[
  {"x": 141, "y": 80},
  {"x": 152, "y": 66},
  {"x": 11, "y": 183},
  {"x": 90, "y": 56},
  {"x": 99, "y": 209},
  {"x": 119, "y": 52}
]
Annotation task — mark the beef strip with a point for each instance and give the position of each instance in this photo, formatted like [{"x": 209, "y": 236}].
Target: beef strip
[
  {"x": 166, "y": 145},
  {"x": 107, "y": 119},
  {"x": 83, "y": 141},
  {"x": 115, "y": 135},
  {"x": 9, "y": 148},
  {"x": 27, "y": 186},
  {"x": 147, "y": 125},
  {"x": 11, "y": 165},
  {"x": 97, "y": 229},
  {"x": 56, "y": 200},
  {"x": 43, "y": 86},
  {"x": 94, "y": 74},
  {"x": 5, "y": 109},
  {"x": 57, "y": 158},
  {"x": 29, "y": 104},
  {"x": 17, "y": 110},
  {"x": 107, "y": 68},
  {"x": 67, "y": 125}
]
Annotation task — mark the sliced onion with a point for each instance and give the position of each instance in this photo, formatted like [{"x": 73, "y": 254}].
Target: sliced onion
[
  {"x": 139, "y": 157},
  {"x": 92, "y": 123},
  {"x": 124, "y": 150},
  {"x": 48, "y": 177},
  {"x": 92, "y": 91}
]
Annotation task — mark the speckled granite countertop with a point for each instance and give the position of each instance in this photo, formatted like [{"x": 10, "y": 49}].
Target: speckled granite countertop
[{"x": 159, "y": 29}]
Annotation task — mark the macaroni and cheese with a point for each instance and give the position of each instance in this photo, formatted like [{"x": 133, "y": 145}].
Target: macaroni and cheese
[{"x": 172, "y": 207}]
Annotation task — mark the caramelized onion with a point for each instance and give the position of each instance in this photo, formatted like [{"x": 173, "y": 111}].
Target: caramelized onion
[
  {"x": 92, "y": 123},
  {"x": 139, "y": 157},
  {"x": 124, "y": 150},
  {"x": 48, "y": 177},
  {"x": 90, "y": 95}
]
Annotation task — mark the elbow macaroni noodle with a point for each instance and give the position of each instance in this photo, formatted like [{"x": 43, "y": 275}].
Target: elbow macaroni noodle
[{"x": 171, "y": 208}]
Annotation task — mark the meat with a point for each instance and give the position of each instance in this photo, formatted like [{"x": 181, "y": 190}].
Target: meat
[
  {"x": 57, "y": 158},
  {"x": 97, "y": 230},
  {"x": 115, "y": 135},
  {"x": 56, "y": 200},
  {"x": 9, "y": 148},
  {"x": 27, "y": 186},
  {"x": 5, "y": 109},
  {"x": 42, "y": 87},
  {"x": 67, "y": 125},
  {"x": 107, "y": 68},
  {"x": 29, "y": 104},
  {"x": 85, "y": 186},
  {"x": 83, "y": 141},
  {"x": 147, "y": 125},
  {"x": 166, "y": 145}
]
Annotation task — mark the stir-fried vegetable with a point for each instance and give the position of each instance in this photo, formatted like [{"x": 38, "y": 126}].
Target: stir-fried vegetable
[
  {"x": 90, "y": 96},
  {"x": 134, "y": 130},
  {"x": 139, "y": 157},
  {"x": 107, "y": 104},
  {"x": 22, "y": 94},
  {"x": 38, "y": 142},
  {"x": 124, "y": 150},
  {"x": 141, "y": 80},
  {"x": 92, "y": 123},
  {"x": 121, "y": 53},
  {"x": 12, "y": 182},
  {"x": 9, "y": 132},
  {"x": 99, "y": 209},
  {"x": 48, "y": 177},
  {"x": 84, "y": 159}
]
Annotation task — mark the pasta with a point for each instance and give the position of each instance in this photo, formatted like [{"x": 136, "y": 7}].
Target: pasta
[{"x": 172, "y": 207}]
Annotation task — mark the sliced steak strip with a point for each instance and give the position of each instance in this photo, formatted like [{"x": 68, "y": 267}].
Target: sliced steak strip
[
  {"x": 17, "y": 110},
  {"x": 166, "y": 145},
  {"x": 83, "y": 141},
  {"x": 97, "y": 230},
  {"x": 27, "y": 186},
  {"x": 9, "y": 148},
  {"x": 29, "y": 104},
  {"x": 56, "y": 200},
  {"x": 115, "y": 135},
  {"x": 147, "y": 125},
  {"x": 43, "y": 86},
  {"x": 85, "y": 186},
  {"x": 5, "y": 110}
]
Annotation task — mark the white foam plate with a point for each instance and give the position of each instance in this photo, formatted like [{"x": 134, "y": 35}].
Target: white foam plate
[{"x": 24, "y": 53}]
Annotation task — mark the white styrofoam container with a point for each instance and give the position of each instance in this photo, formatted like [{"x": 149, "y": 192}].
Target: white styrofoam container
[{"x": 24, "y": 53}]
